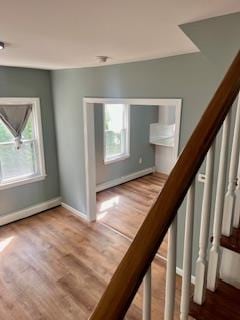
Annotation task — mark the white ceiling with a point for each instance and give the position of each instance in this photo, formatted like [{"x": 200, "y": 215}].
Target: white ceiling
[{"x": 56, "y": 34}]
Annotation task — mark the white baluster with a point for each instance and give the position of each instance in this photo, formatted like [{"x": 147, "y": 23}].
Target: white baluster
[
  {"x": 171, "y": 272},
  {"x": 147, "y": 295},
  {"x": 229, "y": 200},
  {"x": 201, "y": 264},
  {"x": 187, "y": 254},
  {"x": 236, "y": 218},
  {"x": 214, "y": 255}
]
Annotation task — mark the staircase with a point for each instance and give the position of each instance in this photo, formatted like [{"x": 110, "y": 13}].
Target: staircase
[
  {"x": 224, "y": 302},
  {"x": 232, "y": 242},
  {"x": 216, "y": 292}
]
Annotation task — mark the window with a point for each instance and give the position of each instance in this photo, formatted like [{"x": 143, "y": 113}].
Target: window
[
  {"x": 21, "y": 158},
  {"x": 116, "y": 132}
]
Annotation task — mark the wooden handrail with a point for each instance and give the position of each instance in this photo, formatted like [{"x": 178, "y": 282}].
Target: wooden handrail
[{"x": 130, "y": 272}]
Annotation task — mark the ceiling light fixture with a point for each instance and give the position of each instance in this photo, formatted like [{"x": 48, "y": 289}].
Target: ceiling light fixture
[
  {"x": 2, "y": 45},
  {"x": 102, "y": 59}
]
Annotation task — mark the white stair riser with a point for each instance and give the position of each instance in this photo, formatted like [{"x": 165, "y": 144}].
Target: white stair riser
[{"x": 230, "y": 266}]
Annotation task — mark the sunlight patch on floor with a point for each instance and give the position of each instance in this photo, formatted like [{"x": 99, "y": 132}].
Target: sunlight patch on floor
[
  {"x": 109, "y": 203},
  {"x": 106, "y": 205},
  {"x": 4, "y": 243}
]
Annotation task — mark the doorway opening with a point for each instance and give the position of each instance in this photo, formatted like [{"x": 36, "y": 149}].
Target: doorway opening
[{"x": 131, "y": 146}]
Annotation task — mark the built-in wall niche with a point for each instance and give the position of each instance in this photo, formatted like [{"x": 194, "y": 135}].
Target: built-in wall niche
[
  {"x": 162, "y": 134},
  {"x": 165, "y": 136}
]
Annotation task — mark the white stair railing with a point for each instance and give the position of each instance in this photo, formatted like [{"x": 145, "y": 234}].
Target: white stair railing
[
  {"x": 170, "y": 290},
  {"x": 201, "y": 264},
  {"x": 187, "y": 254},
  {"x": 207, "y": 270},
  {"x": 236, "y": 218},
  {"x": 147, "y": 295},
  {"x": 207, "y": 264},
  {"x": 229, "y": 200},
  {"x": 214, "y": 255}
]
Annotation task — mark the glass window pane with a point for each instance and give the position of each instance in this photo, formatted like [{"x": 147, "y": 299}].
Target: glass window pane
[
  {"x": 114, "y": 117},
  {"x": 113, "y": 143},
  {"x": 5, "y": 134},
  {"x": 17, "y": 163},
  {"x": 115, "y": 130},
  {"x": 28, "y": 132}
]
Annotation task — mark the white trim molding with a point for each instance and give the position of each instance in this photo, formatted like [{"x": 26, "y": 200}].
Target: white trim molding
[
  {"x": 89, "y": 139},
  {"x": 90, "y": 160},
  {"x": 29, "y": 211},
  {"x": 22, "y": 182},
  {"x": 129, "y": 177},
  {"x": 76, "y": 212},
  {"x": 135, "y": 101}
]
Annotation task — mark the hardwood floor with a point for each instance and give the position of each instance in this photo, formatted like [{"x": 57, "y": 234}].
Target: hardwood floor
[
  {"x": 124, "y": 207},
  {"x": 53, "y": 266}
]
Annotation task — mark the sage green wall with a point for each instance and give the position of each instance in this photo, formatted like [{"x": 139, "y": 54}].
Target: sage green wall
[
  {"x": 176, "y": 77},
  {"x": 217, "y": 38},
  {"x": 140, "y": 119},
  {"x": 20, "y": 82},
  {"x": 193, "y": 77}
]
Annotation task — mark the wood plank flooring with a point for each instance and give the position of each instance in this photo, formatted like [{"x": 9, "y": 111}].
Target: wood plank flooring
[
  {"x": 53, "y": 266},
  {"x": 124, "y": 208}
]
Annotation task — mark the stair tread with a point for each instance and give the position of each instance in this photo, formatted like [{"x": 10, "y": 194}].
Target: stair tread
[
  {"x": 232, "y": 242},
  {"x": 223, "y": 304}
]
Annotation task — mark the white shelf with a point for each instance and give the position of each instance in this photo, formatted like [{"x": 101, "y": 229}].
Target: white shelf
[
  {"x": 162, "y": 135},
  {"x": 163, "y": 141}
]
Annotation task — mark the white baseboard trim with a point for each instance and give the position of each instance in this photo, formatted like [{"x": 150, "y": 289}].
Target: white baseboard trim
[
  {"x": 76, "y": 212},
  {"x": 179, "y": 272},
  {"x": 116, "y": 182},
  {"x": 29, "y": 211}
]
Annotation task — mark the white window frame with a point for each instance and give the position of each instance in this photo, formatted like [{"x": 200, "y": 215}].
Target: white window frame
[
  {"x": 126, "y": 154},
  {"x": 37, "y": 125}
]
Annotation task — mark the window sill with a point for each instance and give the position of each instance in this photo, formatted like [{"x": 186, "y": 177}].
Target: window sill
[
  {"x": 116, "y": 159},
  {"x": 21, "y": 182}
]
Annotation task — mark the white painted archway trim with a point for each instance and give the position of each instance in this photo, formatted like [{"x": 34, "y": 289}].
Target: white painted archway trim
[{"x": 89, "y": 139}]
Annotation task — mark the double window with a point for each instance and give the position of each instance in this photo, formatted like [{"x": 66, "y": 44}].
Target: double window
[
  {"x": 21, "y": 145},
  {"x": 116, "y": 132}
]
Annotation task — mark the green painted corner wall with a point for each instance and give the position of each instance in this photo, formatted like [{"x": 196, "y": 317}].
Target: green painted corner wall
[{"x": 20, "y": 82}]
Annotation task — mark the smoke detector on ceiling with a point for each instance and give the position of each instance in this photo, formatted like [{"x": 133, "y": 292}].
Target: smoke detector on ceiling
[
  {"x": 102, "y": 59},
  {"x": 2, "y": 45}
]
